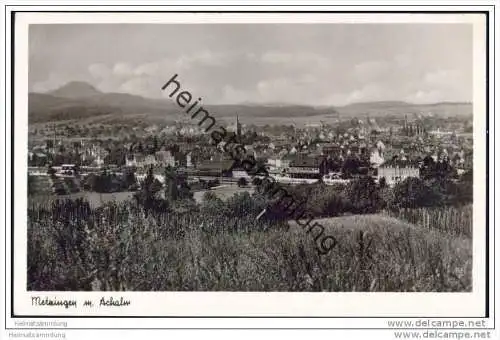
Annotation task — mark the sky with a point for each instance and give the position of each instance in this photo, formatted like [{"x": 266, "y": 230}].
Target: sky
[{"x": 313, "y": 64}]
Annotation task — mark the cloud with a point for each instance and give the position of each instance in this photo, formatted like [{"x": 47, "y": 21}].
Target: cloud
[
  {"x": 53, "y": 82},
  {"x": 108, "y": 85},
  {"x": 142, "y": 86},
  {"x": 302, "y": 89},
  {"x": 251, "y": 56},
  {"x": 232, "y": 95},
  {"x": 370, "y": 92},
  {"x": 278, "y": 76},
  {"x": 148, "y": 69},
  {"x": 402, "y": 60},
  {"x": 204, "y": 58},
  {"x": 310, "y": 64},
  {"x": 275, "y": 57},
  {"x": 295, "y": 59},
  {"x": 99, "y": 71},
  {"x": 422, "y": 96},
  {"x": 443, "y": 77},
  {"x": 371, "y": 70},
  {"x": 123, "y": 70}
]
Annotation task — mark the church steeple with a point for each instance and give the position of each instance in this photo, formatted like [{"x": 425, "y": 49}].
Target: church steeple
[{"x": 238, "y": 126}]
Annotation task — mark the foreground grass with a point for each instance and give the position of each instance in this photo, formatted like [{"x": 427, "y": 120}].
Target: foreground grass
[{"x": 373, "y": 253}]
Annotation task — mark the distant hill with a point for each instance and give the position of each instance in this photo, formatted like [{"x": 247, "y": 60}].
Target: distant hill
[
  {"x": 80, "y": 100},
  {"x": 75, "y": 89},
  {"x": 396, "y": 108},
  {"x": 283, "y": 111},
  {"x": 377, "y": 104},
  {"x": 77, "y": 100}
]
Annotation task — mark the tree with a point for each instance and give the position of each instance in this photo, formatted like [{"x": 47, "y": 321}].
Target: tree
[
  {"x": 363, "y": 195},
  {"x": 327, "y": 201},
  {"x": 427, "y": 168},
  {"x": 76, "y": 169},
  {"x": 242, "y": 182},
  {"x": 51, "y": 171},
  {"x": 104, "y": 182},
  {"x": 431, "y": 169},
  {"x": 467, "y": 176},
  {"x": 209, "y": 196},
  {"x": 170, "y": 184},
  {"x": 129, "y": 180},
  {"x": 184, "y": 191},
  {"x": 31, "y": 185},
  {"x": 382, "y": 183},
  {"x": 156, "y": 186},
  {"x": 147, "y": 195},
  {"x": 213, "y": 183},
  {"x": 140, "y": 148},
  {"x": 465, "y": 187},
  {"x": 89, "y": 182},
  {"x": 413, "y": 193},
  {"x": 59, "y": 188},
  {"x": 351, "y": 166},
  {"x": 155, "y": 144}
]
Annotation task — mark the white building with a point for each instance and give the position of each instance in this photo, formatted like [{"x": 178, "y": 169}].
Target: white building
[
  {"x": 396, "y": 171},
  {"x": 376, "y": 158},
  {"x": 165, "y": 158},
  {"x": 279, "y": 164}
]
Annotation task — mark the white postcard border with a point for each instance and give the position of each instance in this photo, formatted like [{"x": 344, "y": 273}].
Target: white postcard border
[{"x": 256, "y": 304}]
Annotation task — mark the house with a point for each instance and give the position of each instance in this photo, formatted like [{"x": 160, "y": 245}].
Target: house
[
  {"x": 307, "y": 167},
  {"x": 215, "y": 168},
  {"x": 376, "y": 158},
  {"x": 397, "y": 170},
  {"x": 165, "y": 158},
  {"x": 180, "y": 158},
  {"x": 279, "y": 163},
  {"x": 131, "y": 161},
  {"x": 140, "y": 161},
  {"x": 149, "y": 160},
  {"x": 98, "y": 161},
  {"x": 241, "y": 173},
  {"x": 37, "y": 159},
  {"x": 354, "y": 149},
  {"x": 189, "y": 160},
  {"x": 333, "y": 150}
]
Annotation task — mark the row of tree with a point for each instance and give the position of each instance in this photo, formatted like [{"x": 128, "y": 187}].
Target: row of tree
[
  {"x": 110, "y": 182},
  {"x": 364, "y": 195},
  {"x": 176, "y": 189}
]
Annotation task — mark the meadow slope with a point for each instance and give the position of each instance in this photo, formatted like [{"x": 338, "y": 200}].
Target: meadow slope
[{"x": 373, "y": 253}]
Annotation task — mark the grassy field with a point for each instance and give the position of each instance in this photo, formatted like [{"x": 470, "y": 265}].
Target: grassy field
[
  {"x": 95, "y": 199},
  {"x": 456, "y": 221},
  {"x": 46, "y": 196},
  {"x": 394, "y": 255},
  {"x": 211, "y": 252},
  {"x": 224, "y": 191}
]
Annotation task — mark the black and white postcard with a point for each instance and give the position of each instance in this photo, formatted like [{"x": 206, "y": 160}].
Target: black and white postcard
[{"x": 249, "y": 165}]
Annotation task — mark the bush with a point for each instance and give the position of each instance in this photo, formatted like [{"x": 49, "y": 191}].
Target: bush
[
  {"x": 363, "y": 196},
  {"x": 413, "y": 193},
  {"x": 213, "y": 183},
  {"x": 242, "y": 182}
]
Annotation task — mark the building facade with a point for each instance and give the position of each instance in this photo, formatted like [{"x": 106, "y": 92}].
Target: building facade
[
  {"x": 307, "y": 167},
  {"x": 397, "y": 171}
]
